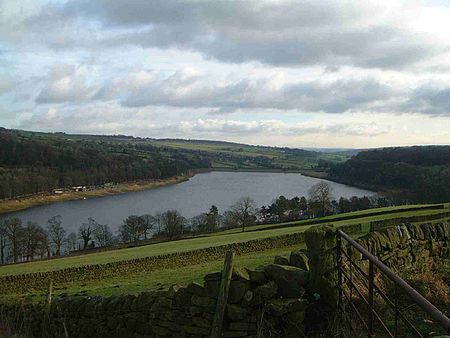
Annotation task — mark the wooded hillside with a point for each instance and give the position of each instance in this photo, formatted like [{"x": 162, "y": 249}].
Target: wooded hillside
[
  {"x": 423, "y": 172},
  {"x": 36, "y": 163}
]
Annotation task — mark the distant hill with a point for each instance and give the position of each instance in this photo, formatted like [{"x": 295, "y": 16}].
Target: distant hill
[
  {"x": 34, "y": 162},
  {"x": 422, "y": 172},
  {"x": 343, "y": 151}
]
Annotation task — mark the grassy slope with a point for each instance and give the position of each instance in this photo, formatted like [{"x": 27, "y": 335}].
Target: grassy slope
[
  {"x": 219, "y": 238},
  {"x": 277, "y": 155},
  {"x": 156, "y": 279}
]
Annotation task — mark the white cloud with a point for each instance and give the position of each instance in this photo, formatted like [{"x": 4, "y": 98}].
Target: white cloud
[
  {"x": 65, "y": 83},
  {"x": 250, "y": 71},
  {"x": 228, "y": 93},
  {"x": 291, "y": 33}
]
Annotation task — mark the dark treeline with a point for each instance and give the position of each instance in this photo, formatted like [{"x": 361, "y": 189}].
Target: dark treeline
[
  {"x": 421, "y": 172},
  {"x": 24, "y": 242},
  {"x": 31, "y": 164}
]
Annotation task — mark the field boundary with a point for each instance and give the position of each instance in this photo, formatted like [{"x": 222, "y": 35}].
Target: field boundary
[
  {"x": 41, "y": 280},
  {"x": 350, "y": 217},
  {"x": 383, "y": 224}
]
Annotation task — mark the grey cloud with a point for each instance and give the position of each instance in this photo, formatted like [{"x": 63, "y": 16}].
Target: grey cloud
[
  {"x": 274, "y": 127},
  {"x": 288, "y": 33},
  {"x": 195, "y": 91},
  {"x": 429, "y": 99},
  {"x": 65, "y": 83},
  {"x": 5, "y": 86},
  {"x": 191, "y": 90}
]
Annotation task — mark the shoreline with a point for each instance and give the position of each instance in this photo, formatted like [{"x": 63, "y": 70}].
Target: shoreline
[{"x": 19, "y": 204}]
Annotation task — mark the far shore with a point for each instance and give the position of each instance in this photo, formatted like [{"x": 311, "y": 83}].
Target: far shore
[
  {"x": 17, "y": 204},
  {"x": 21, "y": 203}
]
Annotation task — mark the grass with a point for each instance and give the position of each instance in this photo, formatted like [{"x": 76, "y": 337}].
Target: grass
[
  {"x": 215, "y": 239},
  {"x": 160, "y": 279},
  {"x": 362, "y": 219},
  {"x": 278, "y": 156},
  {"x": 142, "y": 251}
]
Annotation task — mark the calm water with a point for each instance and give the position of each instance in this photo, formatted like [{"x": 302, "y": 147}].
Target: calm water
[{"x": 190, "y": 198}]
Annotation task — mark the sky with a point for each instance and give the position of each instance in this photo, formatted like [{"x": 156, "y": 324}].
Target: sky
[{"x": 345, "y": 74}]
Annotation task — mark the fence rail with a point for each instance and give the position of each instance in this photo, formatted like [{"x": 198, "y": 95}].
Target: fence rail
[{"x": 358, "y": 290}]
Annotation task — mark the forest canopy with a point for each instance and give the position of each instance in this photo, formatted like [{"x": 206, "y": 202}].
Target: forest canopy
[
  {"x": 420, "y": 172},
  {"x": 32, "y": 163}
]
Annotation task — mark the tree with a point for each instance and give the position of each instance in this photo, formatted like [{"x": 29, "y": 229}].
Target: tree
[
  {"x": 147, "y": 225},
  {"x": 244, "y": 212},
  {"x": 212, "y": 218},
  {"x": 14, "y": 233},
  {"x": 303, "y": 206},
  {"x": 56, "y": 233},
  {"x": 3, "y": 237},
  {"x": 280, "y": 207},
  {"x": 103, "y": 235},
  {"x": 85, "y": 231},
  {"x": 199, "y": 223},
  {"x": 173, "y": 223},
  {"x": 131, "y": 229},
  {"x": 72, "y": 241},
  {"x": 265, "y": 214},
  {"x": 320, "y": 195},
  {"x": 158, "y": 222},
  {"x": 34, "y": 238}
]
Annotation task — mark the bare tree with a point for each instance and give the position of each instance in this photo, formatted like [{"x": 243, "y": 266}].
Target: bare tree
[
  {"x": 131, "y": 229},
  {"x": 56, "y": 233},
  {"x": 85, "y": 231},
  {"x": 14, "y": 233},
  {"x": 173, "y": 223},
  {"x": 72, "y": 241},
  {"x": 147, "y": 225},
  {"x": 199, "y": 223},
  {"x": 244, "y": 212},
  {"x": 103, "y": 235},
  {"x": 320, "y": 196},
  {"x": 3, "y": 237},
  {"x": 158, "y": 222},
  {"x": 35, "y": 238}
]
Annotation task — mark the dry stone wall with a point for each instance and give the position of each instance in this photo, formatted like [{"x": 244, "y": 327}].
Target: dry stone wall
[
  {"x": 289, "y": 298},
  {"x": 272, "y": 299},
  {"x": 383, "y": 224},
  {"x": 41, "y": 280},
  {"x": 408, "y": 245}
]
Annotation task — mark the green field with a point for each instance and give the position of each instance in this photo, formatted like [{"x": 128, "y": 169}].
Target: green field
[
  {"x": 280, "y": 158},
  {"x": 214, "y": 239},
  {"x": 155, "y": 280},
  {"x": 161, "y": 279}
]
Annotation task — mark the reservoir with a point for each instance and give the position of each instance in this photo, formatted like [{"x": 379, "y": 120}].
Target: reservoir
[{"x": 190, "y": 198}]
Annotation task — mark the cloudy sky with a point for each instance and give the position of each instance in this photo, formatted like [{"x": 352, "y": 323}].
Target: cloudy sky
[{"x": 292, "y": 73}]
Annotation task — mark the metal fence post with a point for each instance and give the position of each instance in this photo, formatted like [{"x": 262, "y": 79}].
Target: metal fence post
[
  {"x": 339, "y": 267},
  {"x": 370, "y": 322},
  {"x": 339, "y": 280},
  {"x": 396, "y": 310}
]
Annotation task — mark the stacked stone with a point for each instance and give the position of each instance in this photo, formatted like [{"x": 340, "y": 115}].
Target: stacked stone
[
  {"x": 271, "y": 299},
  {"x": 408, "y": 245},
  {"x": 40, "y": 280},
  {"x": 321, "y": 244}
]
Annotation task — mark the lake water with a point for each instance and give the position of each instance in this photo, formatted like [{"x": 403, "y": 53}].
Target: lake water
[{"x": 190, "y": 198}]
